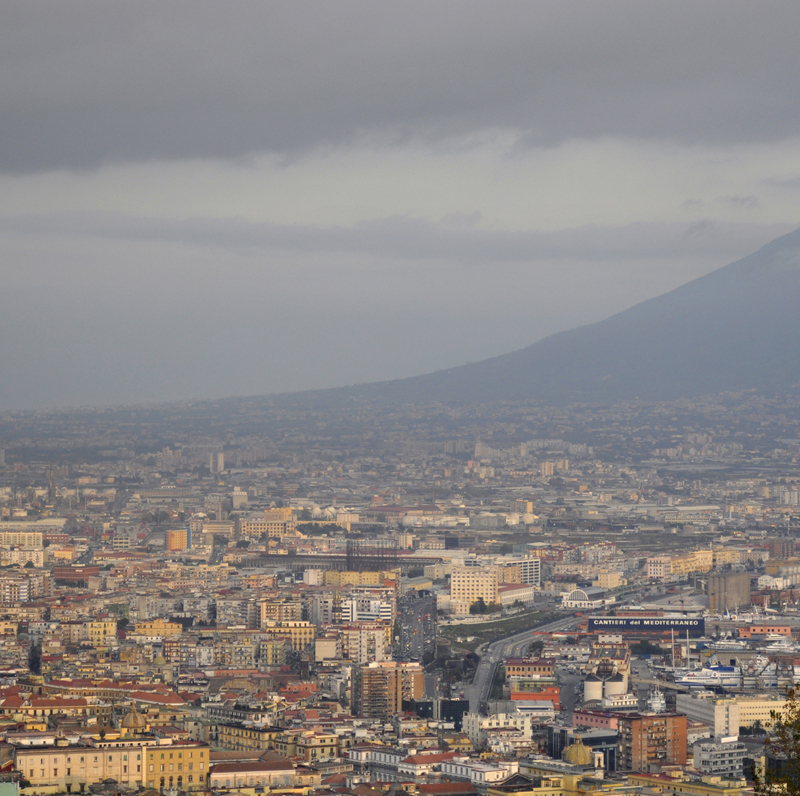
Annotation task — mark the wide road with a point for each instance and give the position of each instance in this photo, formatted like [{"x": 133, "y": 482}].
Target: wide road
[
  {"x": 416, "y": 619},
  {"x": 511, "y": 647},
  {"x": 120, "y": 499}
]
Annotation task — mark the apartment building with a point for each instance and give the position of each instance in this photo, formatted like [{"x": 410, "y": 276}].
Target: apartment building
[
  {"x": 664, "y": 567},
  {"x": 360, "y": 608},
  {"x": 471, "y": 584},
  {"x": 20, "y": 538},
  {"x": 475, "y": 725},
  {"x": 158, "y": 627},
  {"x": 651, "y": 739},
  {"x": 179, "y": 539},
  {"x": 241, "y": 736},
  {"x": 274, "y": 651},
  {"x": 379, "y": 688},
  {"x": 183, "y": 765},
  {"x": 365, "y": 642},
  {"x": 100, "y": 631},
  {"x": 301, "y": 633},
  {"x": 782, "y": 548},
  {"x": 281, "y": 610},
  {"x": 723, "y": 757},
  {"x": 726, "y": 555},
  {"x": 333, "y": 577},
  {"x": 530, "y": 569},
  {"x": 307, "y": 745}
]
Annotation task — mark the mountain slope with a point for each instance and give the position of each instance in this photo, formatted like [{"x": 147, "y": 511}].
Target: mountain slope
[{"x": 733, "y": 329}]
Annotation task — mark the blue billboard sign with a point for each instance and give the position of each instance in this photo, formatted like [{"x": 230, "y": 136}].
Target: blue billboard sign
[{"x": 646, "y": 624}]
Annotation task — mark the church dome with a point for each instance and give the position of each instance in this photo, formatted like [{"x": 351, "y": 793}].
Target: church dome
[
  {"x": 134, "y": 721},
  {"x": 577, "y": 754}
]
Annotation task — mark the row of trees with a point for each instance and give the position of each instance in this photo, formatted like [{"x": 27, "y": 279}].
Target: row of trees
[{"x": 480, "y": 607}]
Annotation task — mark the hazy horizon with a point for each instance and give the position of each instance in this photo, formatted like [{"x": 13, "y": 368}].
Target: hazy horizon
[{"x": 202, "y": 201}]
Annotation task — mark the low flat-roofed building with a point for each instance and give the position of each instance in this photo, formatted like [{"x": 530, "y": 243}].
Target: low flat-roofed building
[
  {"x": 725, "y": 756},
  {"x": 584, "y": 597}
]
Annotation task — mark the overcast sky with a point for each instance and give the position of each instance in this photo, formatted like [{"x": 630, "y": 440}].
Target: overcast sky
[{"x": 202, "y": 199}]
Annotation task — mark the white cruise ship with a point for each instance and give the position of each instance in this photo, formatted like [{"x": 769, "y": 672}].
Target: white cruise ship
[{"x": 727, "y": 645}]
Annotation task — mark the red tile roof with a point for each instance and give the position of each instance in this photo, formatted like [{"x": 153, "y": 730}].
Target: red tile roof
[{"x": 256, "y": 765}]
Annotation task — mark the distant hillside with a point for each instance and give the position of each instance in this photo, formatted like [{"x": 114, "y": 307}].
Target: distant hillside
[{"x": 736, "y": 328}]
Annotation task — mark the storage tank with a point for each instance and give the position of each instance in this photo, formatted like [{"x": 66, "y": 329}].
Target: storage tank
[
  {"x": 614, "y": 686},
  {"x": 592, "y": 688}
]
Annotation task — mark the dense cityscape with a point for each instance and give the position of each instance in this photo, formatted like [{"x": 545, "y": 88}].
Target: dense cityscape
[
  {"x": 400, "y": 399},
  {"x": 259, "y": 596}
]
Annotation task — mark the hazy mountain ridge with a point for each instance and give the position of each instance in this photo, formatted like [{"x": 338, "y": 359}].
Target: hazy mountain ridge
[{"x": 736, "y": 328}]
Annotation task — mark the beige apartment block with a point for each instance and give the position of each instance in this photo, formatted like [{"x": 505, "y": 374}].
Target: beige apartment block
[{"x": 470, "y": 584}]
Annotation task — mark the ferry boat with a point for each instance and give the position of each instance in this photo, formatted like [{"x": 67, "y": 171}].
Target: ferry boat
[{"x": 712, "y": 676}]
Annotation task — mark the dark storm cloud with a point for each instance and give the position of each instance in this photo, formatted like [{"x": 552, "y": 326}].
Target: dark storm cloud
[{"x": 86, "y": 83}]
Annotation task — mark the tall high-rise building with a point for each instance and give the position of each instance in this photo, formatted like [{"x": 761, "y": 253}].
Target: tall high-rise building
[
  {"x": 647, "y": 739},
  {"x": 216, "y": 462},
  {"x": 380, "y": 688},
  {"x": 728, "y": 591},
  {"x": 531, "y": 570}
]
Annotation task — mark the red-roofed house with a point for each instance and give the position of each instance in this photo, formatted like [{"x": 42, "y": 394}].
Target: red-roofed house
[{"x": 271, "y": 773}]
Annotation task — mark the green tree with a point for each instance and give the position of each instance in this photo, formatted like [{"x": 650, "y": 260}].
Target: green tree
[
  {"x": 781, "y": 775},
  {"x": 536, "y": 648},
  {"x": 35, "y": 658},
  {"x": 478, "y": 607}
]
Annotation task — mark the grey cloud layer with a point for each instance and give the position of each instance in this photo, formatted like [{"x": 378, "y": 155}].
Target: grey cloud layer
[
  {"x": 411, "y": 239},
  {"x": 87, "y": 83}
]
